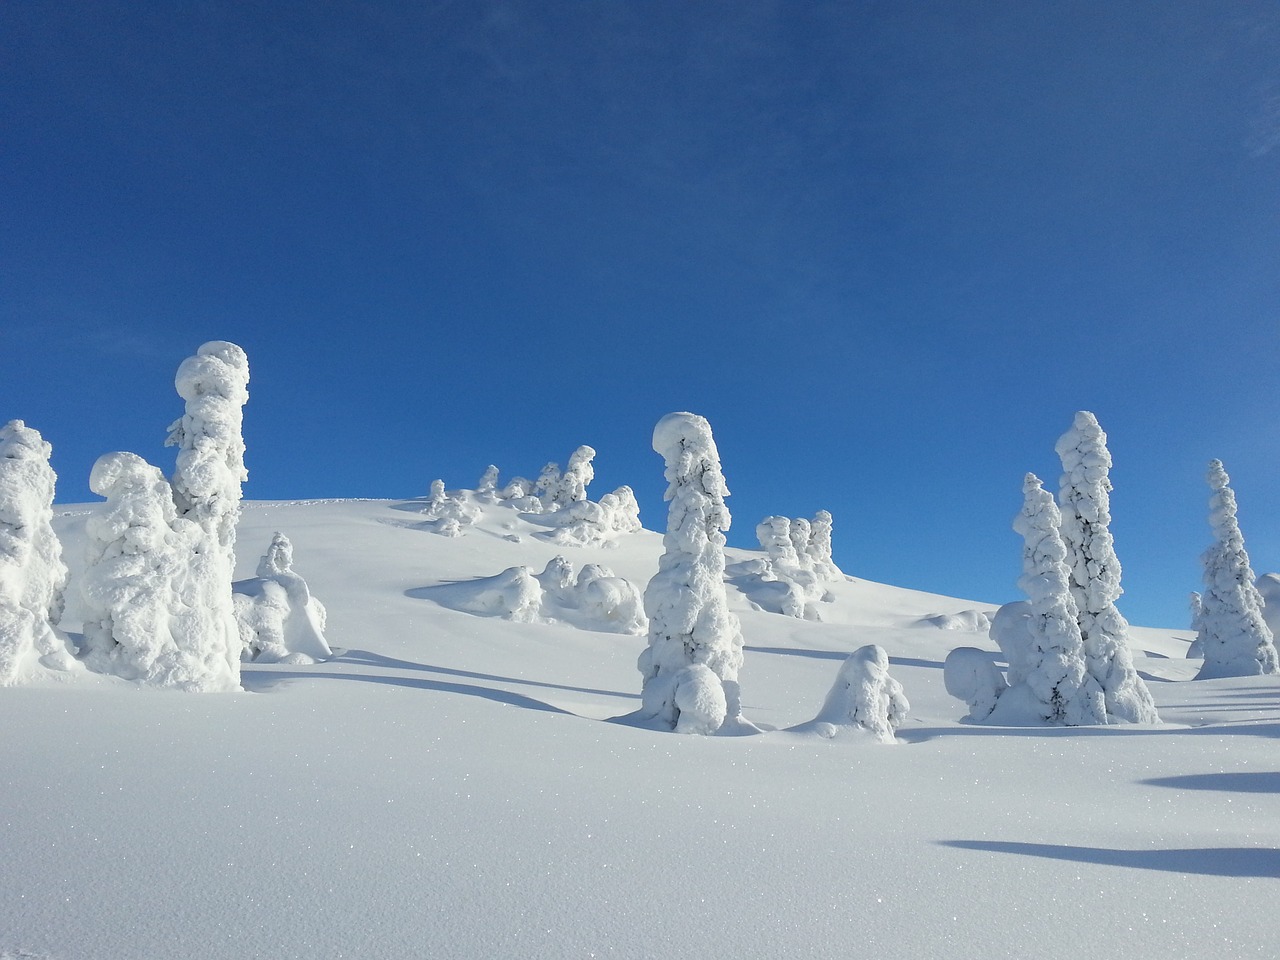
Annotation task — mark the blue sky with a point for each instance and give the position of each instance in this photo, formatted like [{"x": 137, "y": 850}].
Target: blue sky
[{"x": 887, "y": 249}]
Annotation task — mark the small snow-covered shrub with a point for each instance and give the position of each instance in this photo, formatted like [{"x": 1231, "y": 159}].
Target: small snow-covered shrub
[
  {"x": 584, "y": 523},
  {"x": 487, "y": 488},
  {"x": 448, "y": 515},
  {"x": 1196, "y": 650},
  {"x": 280, "y": 621},
  {"x": 155, "y": 586},
  {"x": 864, "y": 696},
  {"x": 32, "y": 575},
  {"x": 970, "y": 675},
  {"x": 609, "y": 602},
  {"x": 1234, "y": 635}
]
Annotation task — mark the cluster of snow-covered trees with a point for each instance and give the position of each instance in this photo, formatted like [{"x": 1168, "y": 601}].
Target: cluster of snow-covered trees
[
  {"x": 157, "y": 584},
  {"x": 793, "y": 576},
  {"x": 1066, "y": 645}
]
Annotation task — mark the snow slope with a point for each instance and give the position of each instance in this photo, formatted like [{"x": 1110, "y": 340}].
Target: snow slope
[{"x": 445, "y": 787}]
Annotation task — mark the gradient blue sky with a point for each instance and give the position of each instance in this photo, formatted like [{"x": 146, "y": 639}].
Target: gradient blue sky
[{"x": 886, "y": 248}]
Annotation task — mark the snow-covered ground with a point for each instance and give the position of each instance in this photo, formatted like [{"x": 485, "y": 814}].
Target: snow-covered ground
[{"x": 447, "y": 786}]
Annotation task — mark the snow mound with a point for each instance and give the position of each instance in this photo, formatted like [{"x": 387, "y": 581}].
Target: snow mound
[
  {"x": 592, "y": 599},
  {"x": 280, "y": 621},
  {"x": 970, "y": 675},
  {"x": 584, "y": 523},
  {"x": 973, "y": 621},
  {"x": 863, "y": 698}
]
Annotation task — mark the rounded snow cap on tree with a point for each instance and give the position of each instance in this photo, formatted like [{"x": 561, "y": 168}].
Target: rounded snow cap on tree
[
  {"x": 219, "y": 368},
  {"x": 678, "y": 431},
  {"x": 112, "y": 468},
  {"x": 20, "y": 442}
]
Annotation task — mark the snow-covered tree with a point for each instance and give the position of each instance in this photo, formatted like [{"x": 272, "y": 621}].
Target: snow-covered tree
[
  {"x": 547, "y": 486},
  {"x": 280, "y": 621},
  {"x": 819, "y": 547},
  {"x": 210, "y": 463},
  {"x": 1057, "y": 687},
  {"x": 487, "y": 488},
  {"x": 774, "y": 534},
  {"x": 969, "y": 675},
  {"x": 32, "y": 574},
  {"x": 864, "y": 696},
  {"x": 1236, "y": 639},
  {"x": 577, "y": 477},
  {"x": 695, "y": 643},
  {"x": 1084, "y": 498},
  {"x": 156, "y": 592},
  {"x": 1196, "y": 650}
]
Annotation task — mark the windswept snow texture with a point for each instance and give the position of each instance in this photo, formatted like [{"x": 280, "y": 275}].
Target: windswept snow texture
[
  {"x": 153, "y": 586},
  {"x": 1084, "y": 497},
  {"x": 280, "y": 621},
  {"x": 448, "y": 788},
  {"x": 688, "y": 610},
  {"x": 33, "y": 577},
  {"x": 1234, "y": 638}
]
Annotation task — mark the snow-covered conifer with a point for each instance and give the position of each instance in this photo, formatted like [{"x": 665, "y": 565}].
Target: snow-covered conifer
[
  {"x": 280, "y": 621},
  {"x": 819, "y": 547},
  {"x": 210, "y": 463},
  {"x": 1236, "y": 639},
  {"x": 1084, "y": 497},
  {"x": 800, "y": 534},
  {"x": 689, "y": 619},
  {"x": 1057, "y": 679},
  {"x": 547, "y": 486},
  {"x": 32, "y": 574},
  {"x": 488, "y": 484},
  {"x": 577, "y": 477},
  {"x": 774, "y": 534},
  {"x": 1196, "y": 650},
  {"x": 864, "y": 696},
  {"x": 154, "y": 586}
]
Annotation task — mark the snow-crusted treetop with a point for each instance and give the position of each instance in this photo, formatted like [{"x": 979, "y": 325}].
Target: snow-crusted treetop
[
  {"x": 684, "y": 440},
  {"x": 1038, "y": 524},
  {"x": 20, "y": 442},
  {"x": 279, "y": 557},
  {"x": 1222, "y": 507}
]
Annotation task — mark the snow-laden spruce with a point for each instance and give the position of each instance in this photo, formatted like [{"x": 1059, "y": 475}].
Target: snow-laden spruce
[
  {"x": 1084, "y": 499},
  {"x": 561, "y": 489},
  {"x": 280, "y": 621},
  {"x": 1235, "y": 639},
  {"x": 33, "y": 577},
  {"x": 210, "y": 468},
  {"x": 691, "y": 664},
  {"x": 155, "y": 586},
  {"x": 864, "y": 697},
  {"x": 797, "y": 567},
  {"x": 1047, "y": 679}
]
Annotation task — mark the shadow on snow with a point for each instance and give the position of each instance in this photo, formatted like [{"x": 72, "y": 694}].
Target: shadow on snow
[{"x": 1207, "y": 861}]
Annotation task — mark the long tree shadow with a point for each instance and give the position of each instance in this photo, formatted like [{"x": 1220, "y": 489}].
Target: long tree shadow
[
  {"x": 838, "y": 655},
  {"x": 1241, "y": 782},
  {"x": 1207, "y": 861},
  {"x": 369, "y": 659},
  {"x": 1246, "y": 728},
  {"x": 259, "y": 681}
]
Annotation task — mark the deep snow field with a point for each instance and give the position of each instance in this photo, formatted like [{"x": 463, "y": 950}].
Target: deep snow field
[{"x": 447, "y": 786}]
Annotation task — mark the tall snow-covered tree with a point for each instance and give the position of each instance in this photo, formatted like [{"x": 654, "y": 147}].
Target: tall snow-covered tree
[
  {"x": 1235, "y": 638},
  {"x": 1056, "y": 676},
  {"x": 1084, "y": 497},
  {"x": 577, "y": 476},
  {"x": 210, "y": 463},
  {"x": 32, "y": 574},
  {"x": 820, "y": 546},
  {"x": 153, "y": 586},
  {"x": 691, "y": 664}
]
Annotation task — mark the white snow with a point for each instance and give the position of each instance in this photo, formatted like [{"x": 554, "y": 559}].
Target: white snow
[
  {"x": 280, "y": 621},
  {"x": 447, "y": 785}
]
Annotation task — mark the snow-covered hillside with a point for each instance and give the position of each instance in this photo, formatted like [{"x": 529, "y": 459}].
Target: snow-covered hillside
[{"x": 448, "y": 786}]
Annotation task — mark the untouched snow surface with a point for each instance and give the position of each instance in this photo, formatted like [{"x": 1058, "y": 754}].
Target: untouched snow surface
[{"x": 446, "y": 787}]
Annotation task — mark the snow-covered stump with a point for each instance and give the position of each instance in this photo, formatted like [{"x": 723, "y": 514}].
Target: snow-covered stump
[
  {"x": 689, "y": 620},
  {"x": 1084, "y": 498},
  {"x": 1235, "y": 638},
  {"x": 864, "y": 697},
  {"x": 33, "y": 577},
  {"x": 280, "y": 621},
  {"x": 153, "y": 586}
]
